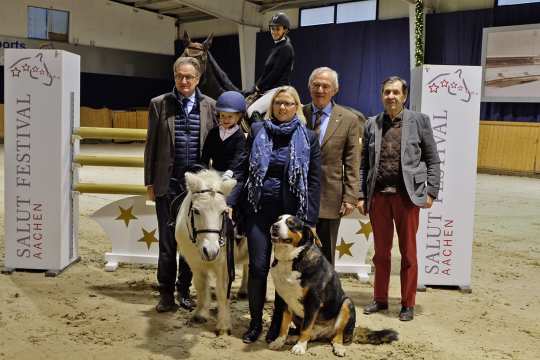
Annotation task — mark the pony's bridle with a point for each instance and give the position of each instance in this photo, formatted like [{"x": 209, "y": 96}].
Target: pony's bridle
[{"x": 195, "y": 231}]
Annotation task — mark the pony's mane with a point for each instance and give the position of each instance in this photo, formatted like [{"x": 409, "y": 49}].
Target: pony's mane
[{"x": 211, "y": 178}]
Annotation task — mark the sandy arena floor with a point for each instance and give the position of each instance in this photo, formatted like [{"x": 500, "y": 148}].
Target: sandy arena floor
[{"x": 87, "y": 313}]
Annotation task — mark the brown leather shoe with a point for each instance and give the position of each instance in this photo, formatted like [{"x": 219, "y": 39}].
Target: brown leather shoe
[
  {"x": 406, "y": 313},
  {"x": 375, "y": 307}
]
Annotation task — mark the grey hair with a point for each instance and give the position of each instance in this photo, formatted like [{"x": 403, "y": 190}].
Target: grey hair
[
  {"x": 186, "y": 60},
  {"x": 332, "y": 72}
]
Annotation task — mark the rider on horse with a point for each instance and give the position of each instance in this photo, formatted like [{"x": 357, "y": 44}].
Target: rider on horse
[{"x": 279, "y": 64}]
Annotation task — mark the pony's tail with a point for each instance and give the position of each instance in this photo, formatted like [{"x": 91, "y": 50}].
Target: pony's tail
[{"x": 364, "y": 335}]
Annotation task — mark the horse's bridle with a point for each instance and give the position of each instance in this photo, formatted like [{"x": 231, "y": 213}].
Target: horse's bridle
[{"x": 195, "y": 231}]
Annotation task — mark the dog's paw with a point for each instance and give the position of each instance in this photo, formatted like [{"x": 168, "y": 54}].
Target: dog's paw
[
  {"x": 299, "y": 348},
  {"x": 278, "y": 343},
  {"x": 338, "y": 350}
]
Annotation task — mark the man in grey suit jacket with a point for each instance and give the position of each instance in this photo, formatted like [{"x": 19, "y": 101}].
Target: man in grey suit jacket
[
  {"x": 399, "y": 174},
  {"x": 178, "y": 123},
  {"x": 339, "y": 135}
]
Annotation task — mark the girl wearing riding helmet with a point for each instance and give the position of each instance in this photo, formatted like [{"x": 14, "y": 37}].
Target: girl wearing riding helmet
[
  {"x": 279, "y": 64},
  {"x": 225, "y": 144}
]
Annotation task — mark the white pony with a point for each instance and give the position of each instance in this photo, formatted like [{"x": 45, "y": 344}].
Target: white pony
[{"x": 201, "y": 240}]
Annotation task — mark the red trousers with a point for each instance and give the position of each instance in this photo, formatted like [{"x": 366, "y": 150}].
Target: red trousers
[{"x": 385, "y": 210}]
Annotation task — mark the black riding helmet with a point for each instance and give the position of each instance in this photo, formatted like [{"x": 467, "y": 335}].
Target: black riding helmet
[{"x": 280, "y": 19}]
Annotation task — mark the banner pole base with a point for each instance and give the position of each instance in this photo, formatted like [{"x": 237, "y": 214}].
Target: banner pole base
[{"x": 56, "y": 272}]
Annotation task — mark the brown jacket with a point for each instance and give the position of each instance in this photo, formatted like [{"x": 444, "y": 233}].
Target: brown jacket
[
  {"x": 340, "y": 160},
  {"x": 159, "y": 150}
]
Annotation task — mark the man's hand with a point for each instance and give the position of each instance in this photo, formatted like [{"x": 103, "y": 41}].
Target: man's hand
[
  {"x": 150, "y": 193},
  {"x": 429, "y": 202},
  {"x": 360, "y": 205},
  {"x": 346, "y": 208},
  {"x": 229, "y": 212}
]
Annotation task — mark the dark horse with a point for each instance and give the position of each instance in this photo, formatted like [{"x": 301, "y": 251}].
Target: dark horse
[{"x": 214, "y": 81}]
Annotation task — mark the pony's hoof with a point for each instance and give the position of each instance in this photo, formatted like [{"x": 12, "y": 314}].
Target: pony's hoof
[
  {"x": 199, "y": 319},
  {"x": 221, "y": 332},
  {"x": 338, "y": 350}
]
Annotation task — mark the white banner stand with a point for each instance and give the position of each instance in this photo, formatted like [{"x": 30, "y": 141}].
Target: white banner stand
[
  {"x": 354, "y": 240},
  {"x": 450, "y": 95},
  {"x": 131, "y": 226},
  {"x": 42, "y": 89}
]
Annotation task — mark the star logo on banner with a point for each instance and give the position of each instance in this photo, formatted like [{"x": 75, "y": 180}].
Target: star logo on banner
[
  {"x": 126, "y": 215},
  {"x": 344, "y": 248},
  {"x": 365, "y": 229},
  {"x": 148, "y": 237},
  {"x": 433, "y": 88},
  {"x": 453, "y": 84},
  {"x": 444, "y": 83},
  {"x": 15, "y": 72},
  {"x": 26, "y": 67}
]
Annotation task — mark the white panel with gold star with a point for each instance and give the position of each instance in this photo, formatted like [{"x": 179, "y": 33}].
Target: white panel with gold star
[
  {"x": 354, "y": 240},
  {"x": 131, "y": 226}
]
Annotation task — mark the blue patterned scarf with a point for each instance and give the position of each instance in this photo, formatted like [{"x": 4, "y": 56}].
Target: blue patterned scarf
[{"x": 299, "y": 154}]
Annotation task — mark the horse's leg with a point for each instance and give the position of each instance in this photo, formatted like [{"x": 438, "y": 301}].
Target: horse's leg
[
  {"x": 242, "y": 291},
  {"x": 200, "y": 280},
  {"x": 224, "y": 316}
]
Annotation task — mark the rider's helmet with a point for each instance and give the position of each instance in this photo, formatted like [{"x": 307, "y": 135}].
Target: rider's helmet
[
  {"x": 280, "y": 19},
  {"x": 231, "y": 101}
]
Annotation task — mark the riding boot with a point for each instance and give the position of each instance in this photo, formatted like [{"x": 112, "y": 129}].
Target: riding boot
[
  {"x": 277, "y": 317},
  {"x": 256, "y": 295}
]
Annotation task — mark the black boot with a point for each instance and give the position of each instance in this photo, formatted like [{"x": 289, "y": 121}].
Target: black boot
[
  {"x": 253, "y": 332},
  {"x": 256, "y": 295},
  {"x": 277, "y": 317},
  {"x": 166, "y": 302}
]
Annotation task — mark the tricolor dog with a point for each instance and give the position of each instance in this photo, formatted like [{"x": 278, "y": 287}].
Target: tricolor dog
[{"x": 310, "y": 287}]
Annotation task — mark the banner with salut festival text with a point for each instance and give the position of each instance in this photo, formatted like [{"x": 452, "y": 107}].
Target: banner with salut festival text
[
  {"x": 42, "y": 90},
  {"x": 450, "y": 95}
]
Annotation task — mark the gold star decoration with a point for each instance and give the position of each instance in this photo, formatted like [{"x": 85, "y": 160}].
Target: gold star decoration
[
  {"x": 148, "y": 237},
  {"x": 365, "y": 228},
  {"x": 344, "y": 248},
  {"x": 126, "y": 215}
]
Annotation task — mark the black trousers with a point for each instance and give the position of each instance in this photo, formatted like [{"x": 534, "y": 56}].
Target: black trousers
[
  {"x": 327, "y": 229},
  {"x": 166, "y": 273},
  {"x": 260, "y": 248}
]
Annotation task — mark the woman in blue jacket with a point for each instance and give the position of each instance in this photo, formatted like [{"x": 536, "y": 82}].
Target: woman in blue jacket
[{"x": 281, "y": 175}]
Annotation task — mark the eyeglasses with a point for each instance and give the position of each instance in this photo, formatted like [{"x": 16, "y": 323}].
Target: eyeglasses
[
  {"x": 324, "y": 87},
  {"x": 188, "y": 78},
  {"x": 287, "y": 104}
]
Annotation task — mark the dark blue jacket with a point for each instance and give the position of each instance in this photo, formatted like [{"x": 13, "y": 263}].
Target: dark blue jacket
[{"x": 290, "y": 204}]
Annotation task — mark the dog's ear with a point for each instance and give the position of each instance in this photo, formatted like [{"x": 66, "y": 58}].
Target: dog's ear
[{"x": 310, "y": 234}]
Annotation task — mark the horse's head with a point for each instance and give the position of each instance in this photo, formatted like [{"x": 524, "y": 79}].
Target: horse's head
[
  {"x": 207, "y": 212},
  {"x": 198, "y": 51}
]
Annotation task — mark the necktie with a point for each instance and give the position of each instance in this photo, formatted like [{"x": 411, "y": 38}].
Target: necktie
[
  {"x": 185, "y": 102},
  {"x": 317, "y": 122}
]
